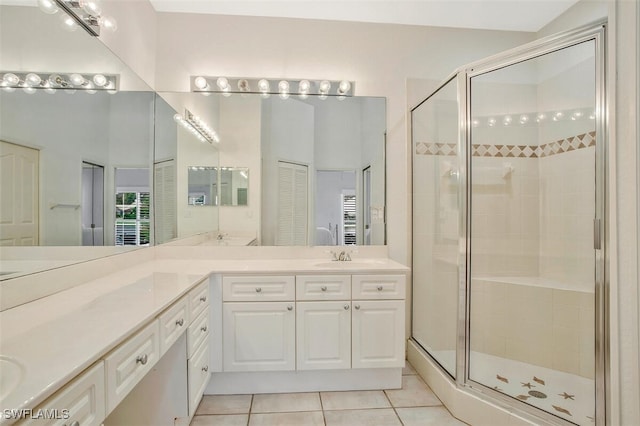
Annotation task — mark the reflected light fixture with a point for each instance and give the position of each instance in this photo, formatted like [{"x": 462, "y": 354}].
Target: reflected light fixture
[
  {"x": 30, "y": 82},
  {"x": 84, "y": 13},
  {"x": 197, "y": 127},
  {"x": 283, "y": 87}
]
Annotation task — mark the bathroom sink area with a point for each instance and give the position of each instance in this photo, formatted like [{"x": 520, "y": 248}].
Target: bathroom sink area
[{"x": 11, "y": 374}]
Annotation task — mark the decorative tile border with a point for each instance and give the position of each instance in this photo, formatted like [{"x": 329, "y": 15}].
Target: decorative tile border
[{"x": 572, "y": 143}]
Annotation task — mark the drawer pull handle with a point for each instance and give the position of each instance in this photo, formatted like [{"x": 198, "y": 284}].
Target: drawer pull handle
[
  {"x": 204, "y": 329},
  {"x": 289, "y": 308},
  {"x": 180, "y": 322},
  {"x": 380, "y": 288},
  {"x": 142, "y": 359},
  {"x": 323, "y": 288},
  {"x": 258, "y": 289},
  {"x": 205, "y": 368},
  {"x": 203, "y": 299},
  {"x": 357, "y": 306},
  {"x": 75, "y": 423},
  {"x": 346, "y": 307}
]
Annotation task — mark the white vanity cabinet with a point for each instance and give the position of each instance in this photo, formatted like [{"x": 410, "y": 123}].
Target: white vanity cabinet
[
  {"x": 323, "y": 322},
  {"x": 378, "y": 321},
  {"x": 259, "y": 323}
]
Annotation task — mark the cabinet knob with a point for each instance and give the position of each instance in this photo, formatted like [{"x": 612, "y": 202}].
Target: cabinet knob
[
  {"x": 346, "y": 307},
  {"x": 205, "y": 368},
  {"x": 289, "y": 308},
  {"x": 357, "y": 306},
  {"x": 203, "y": 299},
  {"x": 180, "y": 322},
  {"x": 380, "y": 288},
  {"x": 204, "y": 329},
  {"x": 323, "y": 288},
  {"x": 258, "y": 289},
  {"x": 142, "y": 359}
]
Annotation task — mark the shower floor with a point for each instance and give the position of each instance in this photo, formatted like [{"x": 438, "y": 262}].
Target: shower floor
[{"x": 565, "y": 395}]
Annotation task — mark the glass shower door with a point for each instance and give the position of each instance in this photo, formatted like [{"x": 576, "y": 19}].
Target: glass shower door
[
  {"x": 533, "y": 202},
  {"x": 436, "y": 225}
]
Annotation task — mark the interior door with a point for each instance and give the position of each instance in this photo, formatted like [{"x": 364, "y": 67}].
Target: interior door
[
  {"x": 92, "y": 204},
  {"x": 19, "y": 192}
]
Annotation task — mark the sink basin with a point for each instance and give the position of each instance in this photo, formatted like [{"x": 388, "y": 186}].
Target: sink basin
[
  {"x": 11, "y": 373},
  {"x": 349, "y": 264}
]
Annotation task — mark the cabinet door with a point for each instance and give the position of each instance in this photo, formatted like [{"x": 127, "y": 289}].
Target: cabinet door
[
  {"x": 259, "y": 336},
  {"x": 378, "y": 333},
  {"x": 323, "y": 335}
]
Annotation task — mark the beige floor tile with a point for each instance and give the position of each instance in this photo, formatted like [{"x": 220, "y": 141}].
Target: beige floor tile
[
  {"x": 408, "y": 370},
  {"x": 414, "y": 393},
  {"x": 377, "y": 417},
  {"x": 224, "y": 404},
  {"x": 221, "y": 420},
  {"x": 286, "y": 402},
  {"x": 307, "y": 418},
  {"x": 354, "y": 400},
  {"x": 427, "y": 416}
]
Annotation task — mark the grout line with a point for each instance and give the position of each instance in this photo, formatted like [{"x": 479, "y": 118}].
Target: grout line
[{"x": 250, "y": 407}]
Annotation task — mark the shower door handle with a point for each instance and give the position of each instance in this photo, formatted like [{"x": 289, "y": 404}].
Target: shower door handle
[{"x": 597, "y": 239}]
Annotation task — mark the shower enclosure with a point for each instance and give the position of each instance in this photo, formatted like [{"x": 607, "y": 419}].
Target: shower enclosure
[{"x": 508, "y": 227}]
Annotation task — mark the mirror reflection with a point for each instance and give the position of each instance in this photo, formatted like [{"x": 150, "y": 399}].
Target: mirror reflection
[
  {"x": 75, "y": 145},
  {"x": 203, "y": 184},
  {"x": 316, "y": 167}
]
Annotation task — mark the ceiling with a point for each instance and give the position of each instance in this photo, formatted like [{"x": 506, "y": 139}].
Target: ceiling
[{"x": 514, "y": 15}]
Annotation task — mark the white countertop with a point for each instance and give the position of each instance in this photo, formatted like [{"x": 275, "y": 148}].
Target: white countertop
[{"x": 55, "y": 338}]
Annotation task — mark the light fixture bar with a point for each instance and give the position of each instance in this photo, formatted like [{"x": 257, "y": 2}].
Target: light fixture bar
[
  {"x": 88, "y": 22},
  {"x": 193, "y": 124},
  {"x": 264, "y": 86},
  {"x": 31, "y": 81}
]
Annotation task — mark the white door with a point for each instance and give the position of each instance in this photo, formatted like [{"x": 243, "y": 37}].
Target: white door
[
  {"x": 323, "y": 335},
  {"x": 165, "y": 201},
  {"x": 19, "y": 192},
  {"x": 378, "y": 333},
  {"x": 259, "y": 336},
  {"x": 293, "y": 204}
]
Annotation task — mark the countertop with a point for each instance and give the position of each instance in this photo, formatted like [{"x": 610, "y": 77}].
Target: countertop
[{"x": 55, "y": 338}]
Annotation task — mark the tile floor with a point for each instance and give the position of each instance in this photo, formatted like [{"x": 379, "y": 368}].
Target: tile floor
[{"x": 414, "y": 404}]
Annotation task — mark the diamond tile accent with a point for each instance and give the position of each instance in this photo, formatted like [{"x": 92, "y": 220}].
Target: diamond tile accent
[{"x": 571, "y": 143}]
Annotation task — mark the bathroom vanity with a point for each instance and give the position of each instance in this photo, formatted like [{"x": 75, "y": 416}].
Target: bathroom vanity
[{"x": 145, "y": 343}]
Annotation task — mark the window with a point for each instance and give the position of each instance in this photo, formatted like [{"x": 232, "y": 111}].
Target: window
[{"x": 132, "y": 223}]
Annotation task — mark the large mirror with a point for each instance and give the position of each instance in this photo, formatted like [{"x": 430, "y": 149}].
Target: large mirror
[
  {"x": 75, "y": 158},
  {"x": 315, "y": 168}
]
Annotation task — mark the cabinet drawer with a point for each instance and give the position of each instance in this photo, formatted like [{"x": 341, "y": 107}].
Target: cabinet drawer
[
  {"x": 83, "y": 398},
  {"x": 255, "y": 289},
  {"x": 198, "y": 332},
  {"x": 198, "y": 376},
  {"x": 378, "y": 286},
  {"x": 173, "y": 322},
  {"x": 198, "y": 299},
  {"x": 323, "y": 287},
  {"x": 129, "y": 363}
]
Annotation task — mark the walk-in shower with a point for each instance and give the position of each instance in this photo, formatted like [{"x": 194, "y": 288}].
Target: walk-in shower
[{"x": 508, "y": 234}]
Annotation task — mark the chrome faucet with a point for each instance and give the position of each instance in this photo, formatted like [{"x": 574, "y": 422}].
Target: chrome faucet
[{"x": 343, "y": 256}]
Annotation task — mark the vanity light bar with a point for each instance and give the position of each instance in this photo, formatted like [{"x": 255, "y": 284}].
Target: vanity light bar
[
  {"x": 85, "y": 13},
  {"x": 533, "y": 118},
  {"x": 50, "y": 82},
  {"x": 266, "y": 87},
  {"x": 193, "y": 124}
]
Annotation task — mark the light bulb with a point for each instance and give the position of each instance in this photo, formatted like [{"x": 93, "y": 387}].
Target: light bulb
[
  {"x": 243, "y": 85},
  {"x": 108, "y": 22},
  {"x": 68, "y": 23},
  {"x": 56, "y": 80},
  {"x": 223, "y": 84},
  {"x": 28, "y": 89},
  {"x": 283, "y": 86},
  {"x": 524, "y": 118},
  {"x": 344, "y": 87},
  {"x": 11, "y": 79},
  {"x": 263, "y": 85},
  {"x": 325, "y": 86},
  {"x": 200, "y": 82},
  {"x": 507, "y": 120},
  {"x": 110, "y": 86},
  {"x": 77, "y": 79},
  {"x": 91, "y": 7},
  {"x": 90, "y": 88},
  {"x": 48, "y": 6},
  {"x": 32, "y": 79},
  {"x": 541, "y": 116},
  {"x": 100, "y": 80},
  {"x": 177, "y": 118},
  {"x": 322, "y": 97},
  {"x": 475, "y": 123},
  {"x": 48, "y": 88},
  {"x": 304, "y": 86},
  {"x": 491, "y": 122}
]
